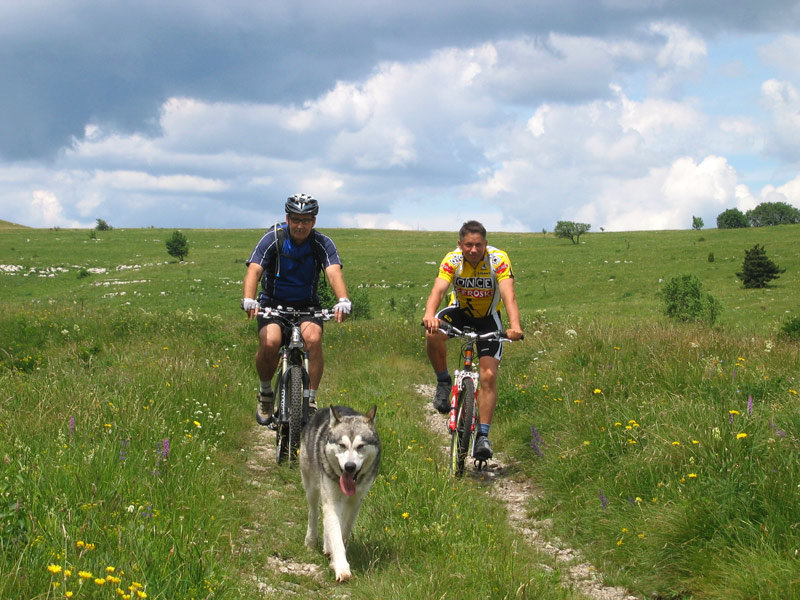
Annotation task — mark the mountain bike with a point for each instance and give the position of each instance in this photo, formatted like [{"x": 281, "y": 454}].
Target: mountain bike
[
  {"x": 291, "y": 381},
  {"x": 464, "y": 416}
]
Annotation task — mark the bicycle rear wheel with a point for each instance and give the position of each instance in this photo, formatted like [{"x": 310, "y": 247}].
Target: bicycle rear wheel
[
  {"x": 461, "y": 437},
  {"x": 295, "y": 399}
]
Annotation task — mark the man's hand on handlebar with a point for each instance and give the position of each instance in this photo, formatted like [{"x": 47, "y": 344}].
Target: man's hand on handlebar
[
  {"x": 250, "y": 306},
  {"x": 342, "y": 309},
  {"x": 514, "y": 334}
]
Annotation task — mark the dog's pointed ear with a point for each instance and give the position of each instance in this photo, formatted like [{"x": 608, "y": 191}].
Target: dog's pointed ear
[
  {"x": 335, "y": 416},
  {"x": 371, "y": 413}
]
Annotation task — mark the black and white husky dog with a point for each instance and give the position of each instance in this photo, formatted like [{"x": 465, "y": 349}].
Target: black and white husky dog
[{"x": 339, "y": 458}]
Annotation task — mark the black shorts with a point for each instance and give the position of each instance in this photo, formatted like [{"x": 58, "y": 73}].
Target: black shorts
[
  {"x": 286, "y": 330},
  {"x": 455, "y": 316}
]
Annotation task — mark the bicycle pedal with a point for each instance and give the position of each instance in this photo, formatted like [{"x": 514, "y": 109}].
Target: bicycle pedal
[{"x": 480, "y": 464}]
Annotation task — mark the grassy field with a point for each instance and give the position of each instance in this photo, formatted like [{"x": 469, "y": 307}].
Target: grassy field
[{"x": 667, "y": 453}]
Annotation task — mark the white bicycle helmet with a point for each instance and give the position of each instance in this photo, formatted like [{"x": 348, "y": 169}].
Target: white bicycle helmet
[{"x": 301, "y": 204}]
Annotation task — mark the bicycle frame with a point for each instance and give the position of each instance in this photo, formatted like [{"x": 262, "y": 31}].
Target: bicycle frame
[
  {"x": 464, "y": 415},
  {"x": 291, "y": 386}
]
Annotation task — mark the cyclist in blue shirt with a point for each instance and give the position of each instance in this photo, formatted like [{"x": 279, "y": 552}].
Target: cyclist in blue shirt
[{"x": 288, "y": 261}]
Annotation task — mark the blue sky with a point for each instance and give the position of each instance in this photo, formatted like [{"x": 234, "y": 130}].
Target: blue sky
[{"x": 625, "y": 114}]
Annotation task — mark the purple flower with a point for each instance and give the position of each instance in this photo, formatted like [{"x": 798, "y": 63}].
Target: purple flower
[
  {"x": 603, "y": 500},
  {"x": 779, "y": 432},
  {"x": 123, "y": 453},
  {"x": 750, "y": 404},
  {"x": 536, "y": 441},
  {"x": 165, "y": 449},
  {"x": 71, "y": 426}
]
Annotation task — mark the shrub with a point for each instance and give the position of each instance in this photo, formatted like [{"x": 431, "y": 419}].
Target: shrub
[
  {"x": 102, "y": 225},
  {"x": 791, "y": 328},
  {"x": 178, "y": 245},
  {"x": 757, "y": 268},
  {"x": 684, "y": 300}
]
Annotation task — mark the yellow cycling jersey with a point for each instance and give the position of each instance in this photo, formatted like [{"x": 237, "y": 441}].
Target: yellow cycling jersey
[{"x": 475, "y": 289}]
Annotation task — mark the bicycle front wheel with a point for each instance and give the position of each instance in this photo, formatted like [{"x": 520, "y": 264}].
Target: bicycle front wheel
[
  {"x": 282, "y": 430},
  {"x": 460, "y": 441},
  {"x": 294, "y": 396}
]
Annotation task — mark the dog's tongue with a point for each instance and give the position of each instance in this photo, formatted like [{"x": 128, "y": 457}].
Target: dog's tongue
[{"x": 348, "y": 484}]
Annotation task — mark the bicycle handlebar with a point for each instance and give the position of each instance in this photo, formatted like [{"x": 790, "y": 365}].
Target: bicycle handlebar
[
  {"x": 498, "y": 336},
  {"x": 294, "y": 313}
]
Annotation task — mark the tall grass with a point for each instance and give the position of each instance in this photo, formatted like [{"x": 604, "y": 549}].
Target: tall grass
[{"x": 127, "y": 440}]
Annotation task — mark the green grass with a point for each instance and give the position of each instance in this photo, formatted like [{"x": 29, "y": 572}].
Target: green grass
[{"x": 126, "y": 422}]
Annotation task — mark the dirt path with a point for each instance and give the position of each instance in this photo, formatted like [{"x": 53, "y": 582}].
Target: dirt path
[
  {"x": 514, "y": 492},
  {"x": 579, "y": 574}
]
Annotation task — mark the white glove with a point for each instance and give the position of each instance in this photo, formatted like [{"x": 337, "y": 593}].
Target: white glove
[
  {"x": 344, "y": 306},
  {"x": 249, "y": 304}
]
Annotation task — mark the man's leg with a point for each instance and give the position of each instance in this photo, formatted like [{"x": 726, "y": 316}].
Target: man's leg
[
  {"x": 269, "y": 343},
  {"x": 487, "y": 400},
  {"x": 436, "y": 347},
  {"x": 312, "y": 337}
]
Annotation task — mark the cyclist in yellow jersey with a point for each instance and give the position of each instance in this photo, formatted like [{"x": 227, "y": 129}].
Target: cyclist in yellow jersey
[{"x": 483, "y": 283}]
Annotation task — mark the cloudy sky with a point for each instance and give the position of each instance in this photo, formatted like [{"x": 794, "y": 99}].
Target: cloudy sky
[{"x": 625, "y": 114}]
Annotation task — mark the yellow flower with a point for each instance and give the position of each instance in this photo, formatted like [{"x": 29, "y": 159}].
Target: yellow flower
[
  {"x": 733, "y": 412},
  {"x": 405, "y": 515},
  {"x": 586, "y": 442},
  {"x": 79, "y": 544},
  {"x": 692, "y": 475},
  {"x": 793, "y": 392},
  {"x": 196, "y": 424},
  {"x": 100, "y": 581},
  {"x": 676, "y": 443},
  {"x": 597, "y": 391},
  {"x": 741, "y": 436},
  {"x": 68, "y": 594},
  {"x": 54, "y": 569},
  {"x": 110, "y": 569},
  {"x": 141, "y": 594},
  {"x": 84, "y": 574}
]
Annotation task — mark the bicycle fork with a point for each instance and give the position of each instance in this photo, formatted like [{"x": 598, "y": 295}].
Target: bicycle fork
[{"x": 458, "y": 378}]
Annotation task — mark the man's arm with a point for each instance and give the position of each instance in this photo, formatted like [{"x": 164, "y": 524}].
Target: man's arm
[
  {"x": 509, "y": 297},
  {"x": 250, "y": 288},
  {"x": 336, "y": 281},
  {"x": 438, "y": 291}
]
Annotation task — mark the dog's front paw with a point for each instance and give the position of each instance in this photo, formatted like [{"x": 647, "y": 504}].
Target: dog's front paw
[{"x": 342, "y": 571}]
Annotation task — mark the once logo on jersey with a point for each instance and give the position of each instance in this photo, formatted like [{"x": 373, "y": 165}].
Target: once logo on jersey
[{"x": 482, "y": 283}]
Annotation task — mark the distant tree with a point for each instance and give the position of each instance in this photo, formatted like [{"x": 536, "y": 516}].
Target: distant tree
[
  {"x": 732, "y": 218},
  {"x": 178, "y": 245},
  {"x": 697, "y": 223},
  {"x": 757, "y": 268},
  {"x": 102, "y": 225},
  {"x": 571, "y": 230},
  {"x": 773, "y": 213}
]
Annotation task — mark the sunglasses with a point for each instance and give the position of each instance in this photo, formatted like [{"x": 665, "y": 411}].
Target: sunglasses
[{"x": 301, "y": 220}]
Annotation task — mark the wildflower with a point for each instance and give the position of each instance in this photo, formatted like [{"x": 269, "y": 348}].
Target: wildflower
[
  {"x": 603, "y": 500},
  {"x": 692, "y": 475},
  {"x": 733, "y": 412},
  {"x": 676, "y": 443},
  {"x": 54, "y": 569},
  {"x": 405, "y": 515},
  {"x": 597, "y": 391},
  {"x": 586, "y": 442},
  {"x": 750, "y": 404},
  {"x": 110, "y": 569},
  {"x": 68, "y": 594},
  {"x": 71, "y": 426},
  {"x": 84, "y": 574},
  {"x": 695, "y": 442},
  {"x": 741, "y": 436},
  {"x": 793, "y": 392},
  {"x": 100, "y": 581},
  {"x": 79, "y": 544},
  {"x": 619, "y": 542},
  {"x": 196, "y": 424}
]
